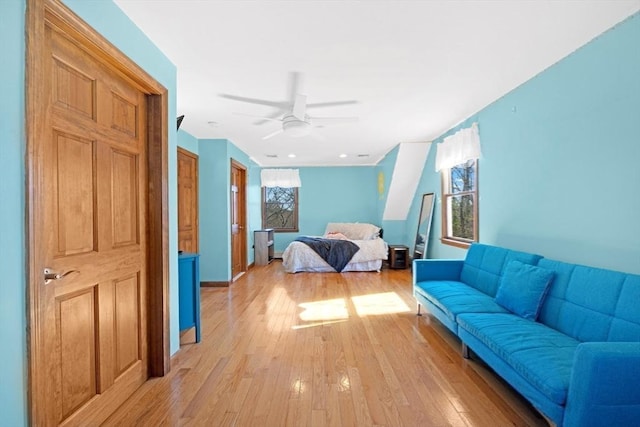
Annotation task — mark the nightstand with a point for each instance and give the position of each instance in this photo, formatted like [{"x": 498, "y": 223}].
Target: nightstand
[{"x": 398, "y": 256}]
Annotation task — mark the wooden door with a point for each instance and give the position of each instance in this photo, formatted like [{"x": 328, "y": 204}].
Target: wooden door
[
  {"x": 187, "y": 201},
  {"x": 238, "y": 219},
  {"x": 90, "y": 226}
]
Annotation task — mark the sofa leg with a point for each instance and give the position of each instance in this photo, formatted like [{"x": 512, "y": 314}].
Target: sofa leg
[
  {"x": 465, "y": 351},
  {"x": 419, "y": 314}
]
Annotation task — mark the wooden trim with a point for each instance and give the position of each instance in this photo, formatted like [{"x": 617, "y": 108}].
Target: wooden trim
[
  {"x": 208, "y": 284},
  {"x": 456, "y": 243},
  {"x": 63, "y": 18},
  {"x": 39, "y": 388},
  {"x": 188, "y": 153},
  {"x": 52, "y": 12},
  {"x": 158, "y": 274},
  {"x": 444, "y": 192}
]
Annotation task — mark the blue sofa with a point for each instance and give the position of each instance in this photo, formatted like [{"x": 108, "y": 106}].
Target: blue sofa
[{"x": 572, "y": 349}]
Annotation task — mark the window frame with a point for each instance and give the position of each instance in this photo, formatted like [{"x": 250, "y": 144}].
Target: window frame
[
  {"x": 296, "y": 199},
  {"x": 445, "y": 181}
]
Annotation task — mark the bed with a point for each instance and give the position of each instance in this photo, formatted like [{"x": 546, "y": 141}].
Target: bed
[{"x": 369, "y": 252}]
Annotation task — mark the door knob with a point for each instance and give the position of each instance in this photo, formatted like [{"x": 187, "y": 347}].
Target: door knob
[{"x": 49, "y": 275}]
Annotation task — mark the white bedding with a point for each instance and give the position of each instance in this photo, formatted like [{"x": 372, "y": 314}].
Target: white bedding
[{"x": 300, "y": 257}]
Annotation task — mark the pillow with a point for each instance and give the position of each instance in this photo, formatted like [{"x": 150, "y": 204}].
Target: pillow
[
  {"x": 335, "y": 235},
  {"x": 523, "y": 288},
  {"x": 354, "y": 230}
]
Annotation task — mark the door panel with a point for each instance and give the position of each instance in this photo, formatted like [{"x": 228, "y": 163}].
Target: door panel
[
  {"x": 127, "y": 313},
  {"x": 74, "y": 195},
  {"x": 76, "y": 330},
  {"x": 73, "y": 89},
  {"x": 124, "y": 173},
  {"x": 187, "y": 201}
]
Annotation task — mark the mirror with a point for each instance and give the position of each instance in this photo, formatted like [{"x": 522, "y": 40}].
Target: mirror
[{"x": 424, "y": 226}]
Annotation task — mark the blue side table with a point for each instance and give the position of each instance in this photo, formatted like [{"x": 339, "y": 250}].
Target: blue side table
[{"x": 189, "y": 292}]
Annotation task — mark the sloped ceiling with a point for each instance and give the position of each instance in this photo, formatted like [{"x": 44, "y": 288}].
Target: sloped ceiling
[
  {"x": 404, "y": 181},
  {"x": 416, "y": 68}
]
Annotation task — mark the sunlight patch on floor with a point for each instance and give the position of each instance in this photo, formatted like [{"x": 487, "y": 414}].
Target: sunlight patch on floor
[
  {"x": 382, "y": 303},
  {"x": 321, "y": 323},
  {"x": 331, "y": 309},
  {"x": 335, "y": 310}
]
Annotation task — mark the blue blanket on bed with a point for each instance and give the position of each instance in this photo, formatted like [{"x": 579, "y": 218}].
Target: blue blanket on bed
[{"x": 337, "y": 253}]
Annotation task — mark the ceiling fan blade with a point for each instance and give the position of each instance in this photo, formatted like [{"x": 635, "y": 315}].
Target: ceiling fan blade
[
  {"x": 276, "y": 104},
  {"x": 296, "y": 86},
  {"x": 272, "y": 134},
  {"x": 275, "y": 116},
  {"x": 331, "y": 104},
  {"x": 259, "y": 117},
  {"x": 300, "y": 106},
  {"x": 332, "y": 120}
]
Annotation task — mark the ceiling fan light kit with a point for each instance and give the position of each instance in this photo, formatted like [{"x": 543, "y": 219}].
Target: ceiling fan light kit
[{"x": 294, "y": 127}]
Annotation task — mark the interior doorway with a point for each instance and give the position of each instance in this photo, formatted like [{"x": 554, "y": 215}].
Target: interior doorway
[
  {"x": 97, "y": 208},
  {"x": 238, "y": 194},
  {"x": 188, "y": 219}
]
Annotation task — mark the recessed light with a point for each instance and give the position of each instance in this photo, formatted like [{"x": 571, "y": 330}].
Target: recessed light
[
  {"x": 342, "y": 156},
  {"x": 291, "y": 155}
]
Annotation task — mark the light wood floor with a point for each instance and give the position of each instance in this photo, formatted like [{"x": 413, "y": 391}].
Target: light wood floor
[{"x": 322, "y": 349}]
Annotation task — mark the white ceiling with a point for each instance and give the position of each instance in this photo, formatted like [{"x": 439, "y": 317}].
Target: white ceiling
[{"x": 416, "y": 67}]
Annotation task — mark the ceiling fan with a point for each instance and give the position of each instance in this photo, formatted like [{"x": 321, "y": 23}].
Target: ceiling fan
[{"x": 295, "y": 121}]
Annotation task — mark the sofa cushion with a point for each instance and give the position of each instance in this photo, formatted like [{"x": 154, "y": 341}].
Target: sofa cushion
[
  {"x": 523, "y": 288},
  {"x": 484, "y": 265},
  {"x": 592, "y": 304},
  {"x": 541, "y": 355},
  {"x": 454, "y": 298}
]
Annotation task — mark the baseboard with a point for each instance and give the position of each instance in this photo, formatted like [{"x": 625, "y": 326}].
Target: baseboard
[{"x": 214, "y": 284}]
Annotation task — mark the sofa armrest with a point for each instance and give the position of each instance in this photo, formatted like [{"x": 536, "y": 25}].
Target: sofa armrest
[
  {"x": 436, "y": 269},
  {"x": 603, "y": 390}
]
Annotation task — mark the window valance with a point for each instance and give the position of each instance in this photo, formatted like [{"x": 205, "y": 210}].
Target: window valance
[
  {"x": 285, "y": 178},
  {"x": 458, "y": 148}
]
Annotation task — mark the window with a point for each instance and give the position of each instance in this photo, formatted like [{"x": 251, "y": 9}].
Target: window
[
  {"x": 280, "y": 208},
  {"x": 460, "y": 204}
]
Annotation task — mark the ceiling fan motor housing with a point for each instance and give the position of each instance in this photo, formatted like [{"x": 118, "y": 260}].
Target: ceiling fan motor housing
[{"x": 295, "y": 127}]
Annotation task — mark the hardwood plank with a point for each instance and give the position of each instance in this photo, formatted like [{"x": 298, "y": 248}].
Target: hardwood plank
[{"x": 311, "y": 349}]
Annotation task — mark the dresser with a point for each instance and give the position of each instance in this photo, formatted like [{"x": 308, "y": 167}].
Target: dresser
[{"x": 189, "y": 292}]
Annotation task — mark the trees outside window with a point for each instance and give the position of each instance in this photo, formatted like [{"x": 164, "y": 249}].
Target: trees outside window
[
  {"x": 280, "y": 208},
  {"x": 460, "y": 204}
]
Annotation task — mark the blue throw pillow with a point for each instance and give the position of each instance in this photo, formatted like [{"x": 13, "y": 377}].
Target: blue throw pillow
[{"x": 523, "y": 288}]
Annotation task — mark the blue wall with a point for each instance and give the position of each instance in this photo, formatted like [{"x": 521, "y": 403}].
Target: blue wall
[
  {"x": 13, "y": 368},
  {"x": 187, "y": 141},
  {"x": 214, "y": 180},
  {"x": 559, "y": 174},
  {"x": 108, "y": 19},
  {"x": 333, "y": 194}
]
